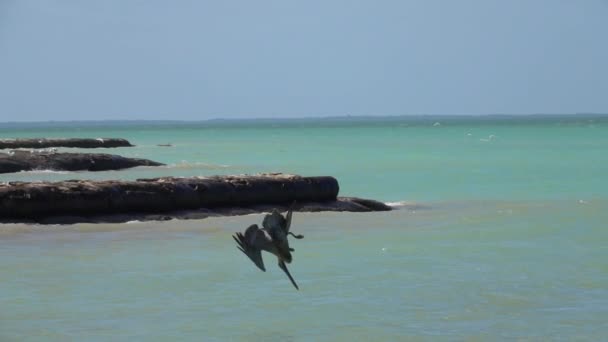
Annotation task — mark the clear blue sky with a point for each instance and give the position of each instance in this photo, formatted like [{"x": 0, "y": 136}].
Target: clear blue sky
[{"x": 193, "y": 60}]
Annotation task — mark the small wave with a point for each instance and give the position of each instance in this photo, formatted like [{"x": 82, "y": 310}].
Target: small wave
[
  {"x": 197, "y": 165},
  {"x": 47, "y": 171},
  {"x": 406, "y": 205},
  {"x": 490, "y": 138}
]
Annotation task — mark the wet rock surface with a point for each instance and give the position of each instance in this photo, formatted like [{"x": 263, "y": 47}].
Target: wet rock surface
[
  {"x": 73, "y": 142},
  {"x": 19, "y": 160}
]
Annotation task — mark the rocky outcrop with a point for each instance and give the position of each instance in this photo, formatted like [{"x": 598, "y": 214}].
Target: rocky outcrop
[
  {"x": 16, "y": 161},
  {"x": 166, "y": 198},
  {"x": 73, "y": 142}
]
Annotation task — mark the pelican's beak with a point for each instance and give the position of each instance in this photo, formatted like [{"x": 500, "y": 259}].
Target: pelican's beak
[{"x": 284, "y": 268}]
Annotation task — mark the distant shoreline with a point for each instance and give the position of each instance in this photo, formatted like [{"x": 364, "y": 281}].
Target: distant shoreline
[{"x": 312, "y": 119}]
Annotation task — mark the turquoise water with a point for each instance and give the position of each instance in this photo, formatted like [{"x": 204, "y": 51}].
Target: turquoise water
[{"x": 508, "y": 240}]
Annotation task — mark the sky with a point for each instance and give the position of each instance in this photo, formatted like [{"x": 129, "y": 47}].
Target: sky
[{"x": 197, "y": 60}]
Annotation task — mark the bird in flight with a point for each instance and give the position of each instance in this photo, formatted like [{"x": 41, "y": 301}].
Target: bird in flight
[{"x": 272, "y": 238}]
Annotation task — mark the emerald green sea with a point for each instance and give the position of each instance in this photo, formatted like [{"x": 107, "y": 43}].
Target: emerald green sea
[{"x": 499, "y": 232}]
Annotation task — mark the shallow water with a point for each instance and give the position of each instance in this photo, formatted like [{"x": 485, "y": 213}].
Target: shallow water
[{"x": 509, "y": 242}]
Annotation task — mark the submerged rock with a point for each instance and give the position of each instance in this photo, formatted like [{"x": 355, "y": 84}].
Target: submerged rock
[
  {"x": 16, "y": 161},
  {"x": 167, "y": 198},
  {"x": 71, "y": 142}
]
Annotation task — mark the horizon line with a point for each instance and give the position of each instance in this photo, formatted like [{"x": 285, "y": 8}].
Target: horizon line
[{"x": 265, "y": 118}]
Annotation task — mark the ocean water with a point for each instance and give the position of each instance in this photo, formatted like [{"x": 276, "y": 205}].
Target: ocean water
[{"x": 499, "y": 233}]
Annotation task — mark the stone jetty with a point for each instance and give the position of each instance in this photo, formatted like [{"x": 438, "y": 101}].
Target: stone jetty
[
  {"x": 19, "y": 160},
  {"x": 71, "y": 142},
  {"x": 165, "y": 198}
]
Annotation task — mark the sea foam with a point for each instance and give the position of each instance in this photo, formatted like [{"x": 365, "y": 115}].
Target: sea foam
[{"x": 185, "y": 165}]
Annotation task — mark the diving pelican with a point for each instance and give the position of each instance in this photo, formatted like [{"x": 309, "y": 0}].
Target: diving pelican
[{"x": 272, "y": 238}]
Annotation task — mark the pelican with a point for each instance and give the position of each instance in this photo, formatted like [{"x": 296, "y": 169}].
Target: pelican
[{"x": 272, "y": 238}]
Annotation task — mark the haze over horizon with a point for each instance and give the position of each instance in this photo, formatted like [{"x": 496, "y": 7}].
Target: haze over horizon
[
  {"x": 388, "y": 118},
  {"x": 188, "y": 60}
]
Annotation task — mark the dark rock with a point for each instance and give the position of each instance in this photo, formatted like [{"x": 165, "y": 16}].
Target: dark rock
[
  {"x": 73, "y": 142},
  {"x": 16, "y": 161},
  {"x": 167, "y": 198},
  {"x": 366, "y": 204}
]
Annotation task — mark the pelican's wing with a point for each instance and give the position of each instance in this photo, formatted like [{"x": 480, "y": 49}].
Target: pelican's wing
[
  {"x": 288, "y": 218},
  {"x": 284, "y": 268},
  {"x": 246, "y": 244}
]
